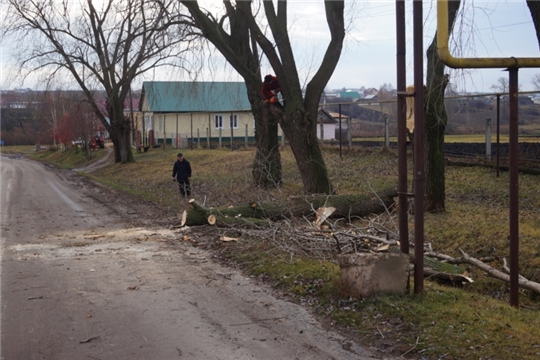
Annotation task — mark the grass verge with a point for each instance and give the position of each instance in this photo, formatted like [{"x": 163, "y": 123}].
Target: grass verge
[{"x": 474, "y": 322}]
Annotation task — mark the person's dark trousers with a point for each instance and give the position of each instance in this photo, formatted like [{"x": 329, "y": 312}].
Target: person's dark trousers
[{"x": 185, "y": 188}]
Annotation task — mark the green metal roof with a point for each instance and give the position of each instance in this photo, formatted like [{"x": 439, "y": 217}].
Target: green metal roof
[
  {"x": 179, "y": 96},
  {"x": 350, "y": 94}
]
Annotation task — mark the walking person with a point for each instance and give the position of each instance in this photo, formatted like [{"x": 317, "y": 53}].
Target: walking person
[{"x": 182, "y": 172}]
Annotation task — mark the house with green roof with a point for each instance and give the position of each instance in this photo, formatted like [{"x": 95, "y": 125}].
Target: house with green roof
[
  {"x": 176, "y": 111},
  {"x": 349, "y": 95}
]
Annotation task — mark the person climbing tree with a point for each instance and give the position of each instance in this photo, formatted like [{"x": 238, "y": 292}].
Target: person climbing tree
[{"x": 270, "y": 89}]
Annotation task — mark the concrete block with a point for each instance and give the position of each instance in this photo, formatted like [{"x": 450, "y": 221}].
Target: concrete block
[{"x": 367, "y": 274}]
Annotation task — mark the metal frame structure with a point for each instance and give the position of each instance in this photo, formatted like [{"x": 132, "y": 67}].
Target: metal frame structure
[
  {"x": 419, "y": 174},
  {"x": 512, "y": 64}
]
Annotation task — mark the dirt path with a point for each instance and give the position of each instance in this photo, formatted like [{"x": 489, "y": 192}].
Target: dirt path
[
  {"x": 104, "y": 161},
  {"x": 84, "y": 276}
]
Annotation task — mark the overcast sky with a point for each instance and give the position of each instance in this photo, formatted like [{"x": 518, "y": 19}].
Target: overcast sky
[{"x": 495, "y": 28}]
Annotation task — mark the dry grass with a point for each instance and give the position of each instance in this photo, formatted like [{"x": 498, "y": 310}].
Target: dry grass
[{"x": 471, "y": 323}]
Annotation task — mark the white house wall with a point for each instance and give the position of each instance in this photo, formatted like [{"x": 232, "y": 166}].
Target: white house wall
[
  {"x": 187, "y": 125},
  {"x": 329, "y": 131}
]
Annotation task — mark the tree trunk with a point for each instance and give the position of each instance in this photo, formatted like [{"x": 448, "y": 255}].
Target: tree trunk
[
  {"x": 239, "y": 47},
  {"x": 122, "y": 148},
  {"x": 300, "y": 129},
  {"x": 435, "y": 121},
  {"x": 119, "y": 131},
  {"x": 240, "y": 50},
  {"x": 534, "y": 8},
  {"x": 347, "y": 206},
  {"x": 267, "y": 163}
]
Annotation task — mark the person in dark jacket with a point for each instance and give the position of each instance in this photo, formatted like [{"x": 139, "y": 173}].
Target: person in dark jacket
[
  {"x": 270, "y": 89},
  {"x": 182, "y": 172}
]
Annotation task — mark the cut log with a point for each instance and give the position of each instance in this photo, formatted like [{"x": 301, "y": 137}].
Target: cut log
[
  {"x": 227, "y": 239},
  {"x": 194, "y": 218},
  {"x": 323, "y": 213},
  {"x": 183, "y": 218},
  {"x": 347, "y": 206},
  {"x": 236, "y": 221},
  {"x": 456, "y": 279}
]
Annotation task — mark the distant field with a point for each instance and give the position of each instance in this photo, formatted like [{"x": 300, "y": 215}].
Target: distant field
[{"x": 462, "y": 138}]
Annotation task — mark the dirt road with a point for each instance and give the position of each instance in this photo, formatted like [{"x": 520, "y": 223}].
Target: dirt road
[{"x": 81, "y": 279}]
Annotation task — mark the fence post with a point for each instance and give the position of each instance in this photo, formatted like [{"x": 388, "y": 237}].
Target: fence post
[
  {"x": 340, "y": 153},
  {"x": 349, "y": 132},
  {"x": 208, "y": 137},
  {"x": 198, "y": 139},
  {"x": 209, "y": 130},
  {"x": 246, "y": 136},
  {"x": 386, "y": 133},
  {"x": 219, "y": 134},
  {"x": 232, "y": 138},
  {"x": 488, "y": 138},
  {"x": 164, "y": 132}
]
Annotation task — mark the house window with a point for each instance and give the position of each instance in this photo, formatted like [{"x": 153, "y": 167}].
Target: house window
[
  {"x": 218, "y": 121},
  {"x": 233, "y": 121}
]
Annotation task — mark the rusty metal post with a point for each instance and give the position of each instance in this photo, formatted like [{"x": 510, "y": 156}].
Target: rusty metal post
[
  {"x": 514, "y": 189},
  {"x": 340, "y": 155},
  {"x": 419, "y": 175},
  {"x": 386, "y": 133},
  {"x": 402, "y": 128},
  {"x": 498, "y": 130},
  {"x": 488, "y": 139}
]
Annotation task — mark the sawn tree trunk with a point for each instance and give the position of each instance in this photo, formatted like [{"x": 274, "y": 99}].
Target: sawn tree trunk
[{"x": 347, "y": 206}]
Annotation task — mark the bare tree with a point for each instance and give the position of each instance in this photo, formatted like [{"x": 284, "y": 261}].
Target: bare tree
[
  {"x": 385, "y": 92},
  {"x": 435, "y": 121},
  {"x": 536, "y": 81},
  {"x": 298, "y": 117},
  {"x": 102, "y": 48},
  {"x": 52, "y": 111},
  {"x": 534, "y": 8},
  {"x": 238, "y": 47},
  {"x": 501, "y": 86}
]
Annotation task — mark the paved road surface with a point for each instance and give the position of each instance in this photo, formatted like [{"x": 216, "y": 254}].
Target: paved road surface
[{"x": 79, "y": 281}]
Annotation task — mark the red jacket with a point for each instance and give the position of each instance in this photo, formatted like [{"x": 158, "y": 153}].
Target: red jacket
[{"x": 270, "y": 89}]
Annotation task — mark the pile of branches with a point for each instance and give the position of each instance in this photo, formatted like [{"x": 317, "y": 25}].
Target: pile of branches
[
  {"x": 325, "y": 241},
  {"x": 326, "y": 237}
]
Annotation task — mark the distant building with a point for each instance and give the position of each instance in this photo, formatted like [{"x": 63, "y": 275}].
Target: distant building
[
  {"x": 330, "y": 121},
  {"x": 525, "y": 100},
  {"x": 175, "y": 111},
  {"x": 328, "y": 125},
  {"x": 371, "y": 91},
  {"x": 349, "y": 95},
  {"x": 370, "y": 98}
]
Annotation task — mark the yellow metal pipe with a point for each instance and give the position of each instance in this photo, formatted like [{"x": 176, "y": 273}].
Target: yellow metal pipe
[{"x": 471, "y": 63}]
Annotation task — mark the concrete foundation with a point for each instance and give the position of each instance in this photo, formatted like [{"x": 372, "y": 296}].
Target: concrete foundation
[{"x": 367, "y": 274}]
